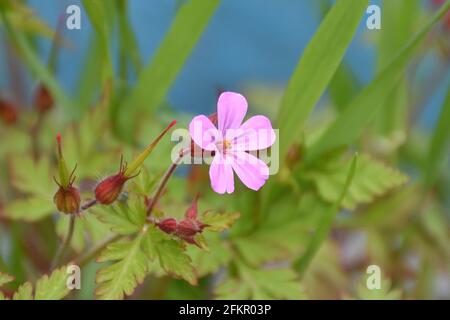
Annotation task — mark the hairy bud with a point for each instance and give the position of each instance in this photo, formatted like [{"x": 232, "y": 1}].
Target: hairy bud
[{"x": 109, "y": 189}]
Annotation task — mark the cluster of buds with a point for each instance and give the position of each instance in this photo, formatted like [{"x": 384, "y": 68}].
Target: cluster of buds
[
  {"x": 109, "y": 189},
  {"x": 8, "y": 112},
  {"x": 186, "y": 228},
  {"x": 67, "y": 198},
  {"x": 43, "y": 100}
]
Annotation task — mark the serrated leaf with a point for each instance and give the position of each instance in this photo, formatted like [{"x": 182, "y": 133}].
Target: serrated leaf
[
  {"x": 53, "y": 287},
  {"x": 48, "y": 287},
  {"x": 31, "y": 177},
  {"x": 128, "y": 270},
  {"x": 316, "y": 67},
  {"x": 5, "y": 278},
  {"x": 24, "y": 292},
  {"x": 170, "y": 254},
  {"x": 209, "y": 261},
  {"x": 372, "y": 179},
  {"x": 219, "y": 221},
  {"x": 123, "y": 218},
  {"x": 284, "y": 232},
  {"x": 260, "y": 285}
]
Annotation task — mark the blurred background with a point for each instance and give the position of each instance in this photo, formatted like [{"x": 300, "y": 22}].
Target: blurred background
[
  {"x": 251, "y": 47},
  {"x": 248, "y": 45}
]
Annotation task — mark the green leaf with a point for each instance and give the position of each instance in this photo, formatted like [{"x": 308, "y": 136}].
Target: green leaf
[
  {"x": 123, "y": 218},
  {"x": 325, "y": 224},
  {"x": 5, "y": 278},
  {"x": 219, "y": 221},
  {"x": 209, "y": 261},
  {"x": 30, "y": 209},
  {"x": 372, "y": 179},
  {"x": 438, "y": 145},
  {"x": 53, "y": 287},
  {"x": 350, "y": 123},
  {"x": 157, "y": 77},
  {"x": 98, "y": 13},
  {"x": 316, "y": 67},
  {"x": 128, "y": 270},
  {"x": 24, "y": 292},
  {"x": 170, "y": 255},
  {"x": 260, "y": 284},
  {"x": 32, "y": 177}
]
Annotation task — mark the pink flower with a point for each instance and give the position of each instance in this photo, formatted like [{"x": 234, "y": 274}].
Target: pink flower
[{"x": 231, "y": 143}]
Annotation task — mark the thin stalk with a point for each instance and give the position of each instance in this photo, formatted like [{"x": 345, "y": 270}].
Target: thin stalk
[
  {"x": 154, "y": 200},
  {"x": 65, "y": 246}
]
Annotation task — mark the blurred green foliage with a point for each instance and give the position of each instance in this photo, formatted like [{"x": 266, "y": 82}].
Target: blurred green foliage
[{"x": 309, "y": 233}]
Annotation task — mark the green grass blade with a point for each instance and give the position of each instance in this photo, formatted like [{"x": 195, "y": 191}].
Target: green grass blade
[
  {"x": 39, "y": 69},
  {"x": 325, "y": 224},
  {"x": 97, "y": 13},
  {"x": 316, "y": 67},
  {"x": 439, "y": 144},
  {"x": 348, "y": 126},
  {"x": 157, "y": 77}
]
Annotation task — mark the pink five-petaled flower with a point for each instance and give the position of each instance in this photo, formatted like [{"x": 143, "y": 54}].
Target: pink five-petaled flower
[{"x": 231, "y": 143}]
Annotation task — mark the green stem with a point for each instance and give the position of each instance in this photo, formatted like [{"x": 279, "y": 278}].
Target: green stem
[
  {"x": 65, "y": 246},
  {"x": 154, "y": 200},
  {"x": 325, "y": 225}
]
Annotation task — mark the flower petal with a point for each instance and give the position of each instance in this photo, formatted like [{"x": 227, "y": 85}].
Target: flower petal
[
  {"x": 252, "y": 171},
  {"x": 255, "y": 134},
  {"x": 204, "y": 133},
  {"x": 231, "y": 110},
  {"x": 221, "y": 175}
]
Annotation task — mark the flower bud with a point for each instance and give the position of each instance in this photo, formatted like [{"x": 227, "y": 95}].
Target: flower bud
[
  {"x": 43, "y": 99},
  {"x": 8, "y": 113},
  {"x": 67, "y": 200},
  {"x": 108, "y": 190},
  {"x": 189, "y": 227},
  {"x": 168, "y": 225}
]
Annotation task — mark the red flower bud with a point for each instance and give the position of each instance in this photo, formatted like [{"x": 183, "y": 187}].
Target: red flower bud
[
  {"x": 168, "y": 225},
  {"x": 8, "y": 113},
  {"x": 108, "y": 190},
  {"x": 67, "y": 200},
  {"x": 189, "y": 228},
  {"x": 43, "y": 99}
]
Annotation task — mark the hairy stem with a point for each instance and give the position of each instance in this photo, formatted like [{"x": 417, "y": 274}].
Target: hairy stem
[
  {"x": 65, "y": 245},
  {"x": 88, "y": 205},
  {"x": 154, "y": 200}
]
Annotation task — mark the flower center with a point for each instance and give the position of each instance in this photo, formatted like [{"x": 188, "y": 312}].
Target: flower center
[{"x": 224, "y": 145}]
